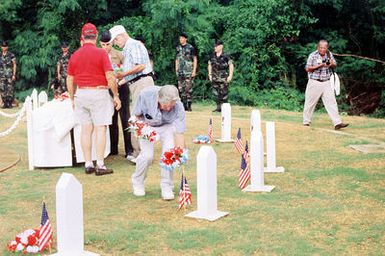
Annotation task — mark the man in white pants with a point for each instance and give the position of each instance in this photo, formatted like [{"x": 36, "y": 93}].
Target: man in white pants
[
  {"x": 318, "y": 66},
  {"x": 161, "y": 108}
]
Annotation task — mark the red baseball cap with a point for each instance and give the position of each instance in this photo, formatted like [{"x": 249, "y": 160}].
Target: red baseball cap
[{"x": 89, "y": 29}]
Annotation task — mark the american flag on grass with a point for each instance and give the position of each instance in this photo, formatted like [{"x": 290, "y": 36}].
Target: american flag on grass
[
  {"x": 244, "y": 172},
  {"x": 238, "y": 142},
  {"x": 45, "y": 234},
  {"x": 211, "y": 137},
  {"x": 185, "y": 196}
]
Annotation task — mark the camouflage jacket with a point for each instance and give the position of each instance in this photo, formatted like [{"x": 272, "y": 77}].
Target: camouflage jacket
[
  {"x": 220, "y": 67},
  {"x": 6, "y": 65},
  {"x": 185, "y": 56},
  {"x": 63, "y": 62}
]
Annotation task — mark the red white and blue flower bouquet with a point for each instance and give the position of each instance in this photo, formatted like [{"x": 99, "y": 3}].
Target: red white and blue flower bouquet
[
  {"x": 202, "y": 139},
  {"x": 142, "y": 130},
  {"x": 174, "y": 158},
  {"x": 25, "y": 242}
]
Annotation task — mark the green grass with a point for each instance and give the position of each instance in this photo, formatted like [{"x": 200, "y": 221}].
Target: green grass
[{"x": 329, "y": 201}]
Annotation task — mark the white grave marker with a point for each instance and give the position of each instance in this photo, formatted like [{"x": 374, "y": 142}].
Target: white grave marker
[
  {"x": 35, "y": 102},
  {"x": 69, "y": 217},
  {"x": 207, "y": 186},
  {"x": 255, "y": 120},
  {"x": 28, "y": 109},
  {"x": 270, "y": 149},
  {"x": 256, "y": 164},
  {"x": 43, "y": 98},
  {"x": 226, "y": 123}
]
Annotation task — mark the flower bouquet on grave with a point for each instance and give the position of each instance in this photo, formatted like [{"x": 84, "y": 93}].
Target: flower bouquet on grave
[
  {"x": 142, "y": 130},
  {"x": 205, "y": 139},
  {"x": 202, "y": 139},
  {"x": 174, "y": 158},
  {"x": 25, "y": 242}
]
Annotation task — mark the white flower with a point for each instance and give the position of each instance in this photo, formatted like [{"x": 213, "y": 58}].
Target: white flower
[
  {"x": 20, "y": 247},
  {"x": 32, "y": 249}
]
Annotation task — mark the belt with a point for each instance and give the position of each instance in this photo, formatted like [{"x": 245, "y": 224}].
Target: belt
[
  {"x": 138, "y": 78},
  {"x": 99, "y": 87},
  {"x": 319, "y": 80}
]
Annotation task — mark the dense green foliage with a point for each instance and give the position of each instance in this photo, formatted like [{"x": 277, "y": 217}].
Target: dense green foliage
[{"x": 269, "y": 40}]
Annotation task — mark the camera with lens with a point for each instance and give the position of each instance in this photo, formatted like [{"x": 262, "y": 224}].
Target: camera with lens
[{"x": 326, "y": 61}]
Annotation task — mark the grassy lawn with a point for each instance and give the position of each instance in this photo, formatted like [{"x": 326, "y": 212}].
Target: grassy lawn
[{"x": 329, "y": 201}]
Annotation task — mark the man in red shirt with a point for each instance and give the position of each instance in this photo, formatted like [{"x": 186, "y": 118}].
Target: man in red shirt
[{"x": 90, "y": 75}]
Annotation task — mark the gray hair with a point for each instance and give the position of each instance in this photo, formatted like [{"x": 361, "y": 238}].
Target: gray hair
[{"x": 167, "y": 94}]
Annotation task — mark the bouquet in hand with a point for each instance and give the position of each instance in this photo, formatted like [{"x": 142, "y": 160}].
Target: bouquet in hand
[
  {"x": 142, "y": 130},
  {"x": 117, "y": 67},
  {"x": 173, "y": 158},
  {"x": 25, "y": 242},
  {"x": 202, "y": 139}
]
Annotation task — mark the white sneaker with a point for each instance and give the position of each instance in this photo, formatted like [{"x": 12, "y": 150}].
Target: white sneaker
[
  {"x": 133, "y": 160},
  {"x": 130, "y": 157},
  {"x": 139, "y": 192},
  {"x": 168, "y": 196}
]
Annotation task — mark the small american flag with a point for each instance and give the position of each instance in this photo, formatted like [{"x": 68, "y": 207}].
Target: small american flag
[
  {"x": 244, "y": 173},
  {"x": 185, "y": 196},
  {"x": 45, "y": 236},
  {"x": 211, "y": 137},
  {"x": 238, "y": 142}
]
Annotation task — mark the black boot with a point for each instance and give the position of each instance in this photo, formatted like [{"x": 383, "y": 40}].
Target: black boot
[
  {"x": 185, "y": 105},
  {"x": 189, "y": 106}
]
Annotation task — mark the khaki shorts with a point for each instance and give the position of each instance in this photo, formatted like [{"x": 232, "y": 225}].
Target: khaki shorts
[{"x": 93, "y": 106}]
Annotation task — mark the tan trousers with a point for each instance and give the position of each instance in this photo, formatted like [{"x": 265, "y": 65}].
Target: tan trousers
[
  {"x": 316, "y": 90},
  {"x": 135, "y": 89}
]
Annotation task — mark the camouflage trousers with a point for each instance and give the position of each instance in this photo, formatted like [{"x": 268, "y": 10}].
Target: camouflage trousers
[
  {"x": 185, "y": 87},
  {"x": 6, "y": 89},
  {"x": 63, "y": 83},
  {"x": 221, "y": 91}
]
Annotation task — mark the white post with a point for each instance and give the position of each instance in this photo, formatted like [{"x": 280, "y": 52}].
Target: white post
[
  {"x": 207, "y": 186},
  {"x": 35, "y": 103},
  {"x": 43, "y": 98},
  {"x": 69, "y": 217},
  {"x": 270, "y": 149},
  {"x": 256, "y": 164},
  {"x": 28, "y": 110},
  {"x": 226, "y": 123},
  {"x": 255, "y": 120}
]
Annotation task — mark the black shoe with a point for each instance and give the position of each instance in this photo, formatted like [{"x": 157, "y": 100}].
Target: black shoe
[
  {"x": 90, "y": 170},
  {"x": 103, "y": 171},
  {"x": 306, "y": 124},
  {"x": 340, "y": 126},
  {"x": 217, "y": 110}
]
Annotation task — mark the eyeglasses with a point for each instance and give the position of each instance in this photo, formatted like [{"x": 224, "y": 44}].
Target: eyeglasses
[{"x": 105, "y": 44}]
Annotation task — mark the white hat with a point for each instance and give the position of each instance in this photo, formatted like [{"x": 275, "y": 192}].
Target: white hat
[{"x": 117, "y": 30}]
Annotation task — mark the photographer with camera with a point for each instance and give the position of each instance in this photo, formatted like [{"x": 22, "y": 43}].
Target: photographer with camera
[{"x": 319, "y": 67}]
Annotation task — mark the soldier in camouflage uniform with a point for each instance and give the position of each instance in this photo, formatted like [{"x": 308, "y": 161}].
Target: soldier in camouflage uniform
[
  {"x": 185, "y": 67},
  {"x": 221, "y": 69},
  {"x": 61, "y": 68},
  {"x": 7, "y": 75}
]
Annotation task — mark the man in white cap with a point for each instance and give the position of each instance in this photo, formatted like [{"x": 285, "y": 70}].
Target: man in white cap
[{"x": 137, "y": 68}]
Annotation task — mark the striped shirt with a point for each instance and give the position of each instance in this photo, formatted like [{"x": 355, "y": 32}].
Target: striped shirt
[
  {"x": 322, "y": 73},
  {"x": 147, "y": 105},
  {"x": 135, "y": 53}
]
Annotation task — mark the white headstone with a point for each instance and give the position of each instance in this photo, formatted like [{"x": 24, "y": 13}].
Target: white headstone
[
  {"x": 207, "y": 186},
  {"x": 255, "y": 120},
  {"x": 28, "y": 109},
  {"x": 69, "y": 217},
  {"x": 35, "y": 102},
  {"x": 256, "y": 164},
  {"x": 226, "y": 123},
  {"x": 270, "y": 149},
  {"x": 43, "y": 98}
]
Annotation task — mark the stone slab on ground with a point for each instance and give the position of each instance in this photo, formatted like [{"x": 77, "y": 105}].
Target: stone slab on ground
[{"x": 369, "y": 148}]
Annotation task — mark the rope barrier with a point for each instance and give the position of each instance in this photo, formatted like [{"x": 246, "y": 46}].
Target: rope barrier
[
  {"x": 11, "y": 165},
  {"x": 15, "y": 124},
  {"x": 10, "y": 115}
]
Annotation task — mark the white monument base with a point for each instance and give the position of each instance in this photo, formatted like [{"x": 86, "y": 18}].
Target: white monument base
[
  {"x": 210, "y": 217},
  {"x": 276, "y": 169},
  {"x": 265, "y": 188},
  {"x": 84, "y": 253},
  {"x": 224, "y": 141}
]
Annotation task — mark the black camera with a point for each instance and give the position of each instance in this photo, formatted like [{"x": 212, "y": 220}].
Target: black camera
[{"x": 326, "y": 61}]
